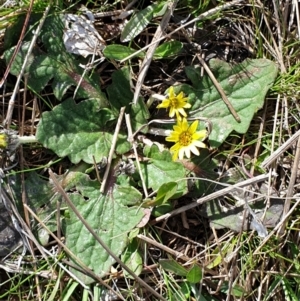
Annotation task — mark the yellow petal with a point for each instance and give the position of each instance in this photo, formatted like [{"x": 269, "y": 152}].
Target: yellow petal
[
  {"x": 172, "y": 138},
  {"x": 181, "y": 154},
  {"x": 180, "y": 96},
  {"x": 199, "y": 144},
  {"x": 175, "y": 156},
  {"x": 194, "y": 150},
  {"x": 184, "y": 125},
  {"x": 193, "y": 127},
  {"x": 182, "y": 112},
  {"x": 172, "y": 112},
  {"x": 199, "y": 135},
  {"x": 178, "y": 117},
  {"x": 171, "y": 92},
  {"x": 175, "y": 147},
  {"x": 177, "y": 128},
  {"x": 164, "y": 105}
]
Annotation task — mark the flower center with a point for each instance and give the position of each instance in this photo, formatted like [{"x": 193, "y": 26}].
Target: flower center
[
  {"x": 185, "y": 139},
  {"x": 174, "y": 102}
]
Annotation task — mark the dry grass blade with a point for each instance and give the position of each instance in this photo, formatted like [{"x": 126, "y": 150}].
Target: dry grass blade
[
  {"x": 290, "y": 190},
  {"x": 112, "y": 149},
  {"x": 266, "y": 163},
  {"x": 148, "y": 57},
  {"x": 212, "y": 196},
  {"x": 252, "y": 176},
  {"x": 7, "y": 120}
]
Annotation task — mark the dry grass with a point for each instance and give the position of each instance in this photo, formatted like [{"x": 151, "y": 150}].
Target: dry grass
[{"x": 264, "y": 269}]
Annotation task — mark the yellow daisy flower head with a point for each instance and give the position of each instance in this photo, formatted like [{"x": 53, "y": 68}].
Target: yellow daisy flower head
[
  {"x": 175, "y": 103},
  {"x": 186, "y": 139},
  {"x": 3, "y": 140},
  {"x": 9, "y": 141}
]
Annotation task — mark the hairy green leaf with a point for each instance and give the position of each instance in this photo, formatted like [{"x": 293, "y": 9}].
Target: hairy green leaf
[
  {"x": 160, "y": 170},
  {"x": 106, "y": 215},
  {"x": 80, "y": 131},
  {"x": 245, "y": 85}
]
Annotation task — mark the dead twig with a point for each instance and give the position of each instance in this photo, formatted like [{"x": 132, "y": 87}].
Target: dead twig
[
  {"x": 290, "y": 189},
  {"x": 211, "y": 196}
]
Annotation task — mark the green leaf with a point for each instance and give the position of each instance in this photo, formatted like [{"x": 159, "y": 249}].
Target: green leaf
[
  {"x": 173, "y": 266},
  {"x": 42, "y": 199},
  {"x": 236, "y": 290},
  {"x": 108, "y": 218},
  {"x": 238, "y": 219},
  {"x": 120, "y": 95},
  {"x": 185, "y": 290},
  {"x": 158, "y": 171},
  {"x": 168, "y": 49},
  {"x": 161, "y": 209},
  {"x": 79, "y": 131},
  {"x": 165, "y": 192},
  {"x": 119, "y": 52},
  {"x": 160, "y": 9},
  {"x": 245, "y": 85},
  {"x": 132, "y": 258},
  {"x": 194, "y": 275},
  {"x": 54, "y": 62},
  {"x": 137, "y": 23},
  {"x": 129, "y": 195}
]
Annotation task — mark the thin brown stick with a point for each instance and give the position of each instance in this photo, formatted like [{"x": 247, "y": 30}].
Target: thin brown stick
[
  {"x": 290, "y": 189},
  {"x": 112, "y": 149},
  {"x": 211, "y": 196},
  {"x": 220, "y": 89}
]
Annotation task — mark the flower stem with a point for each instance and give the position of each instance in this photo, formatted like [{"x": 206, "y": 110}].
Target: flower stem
[{"x": 27, "y": 139}]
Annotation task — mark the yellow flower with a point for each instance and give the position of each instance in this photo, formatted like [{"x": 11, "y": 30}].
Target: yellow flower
[
  {"x": 186, "y": 139},
  {"x": 3, "y": 141},
  {"x": 176, "y": 104}
]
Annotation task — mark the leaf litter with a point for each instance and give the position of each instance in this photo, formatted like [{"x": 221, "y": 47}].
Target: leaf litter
[{"x": 79, "y": 131}]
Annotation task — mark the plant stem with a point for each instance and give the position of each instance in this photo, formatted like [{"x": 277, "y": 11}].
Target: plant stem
[{"x": 27, "y": 139}]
